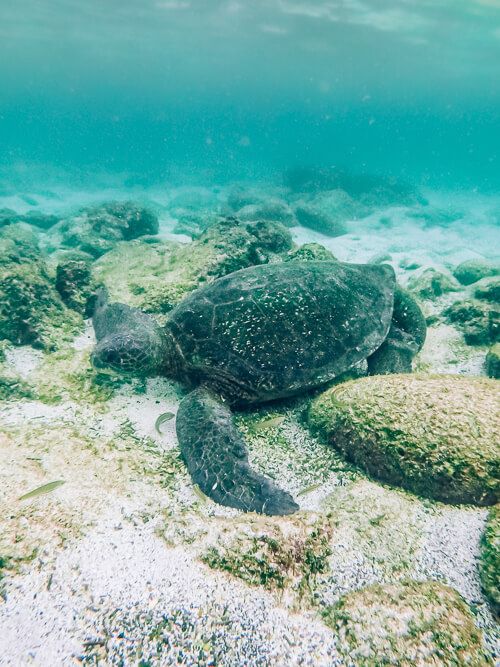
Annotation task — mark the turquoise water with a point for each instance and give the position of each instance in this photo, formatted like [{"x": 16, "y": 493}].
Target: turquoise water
[{"x": 215, "y": 91}]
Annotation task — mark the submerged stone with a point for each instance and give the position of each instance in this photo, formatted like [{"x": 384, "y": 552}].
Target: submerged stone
[
  {"x": 431, "y": 284},
  {"x": 407, "y": 623},
  {"x": 436, "y": 436},
  {"x": 313, "y": 218},
  {"x": 489, "y": 560},
  {"x": 97, "y": 229},
  {"x": 493, "y": 362},
  {"x": 310, "y": 252},
  {"x": 488, "y": 290},
  {"x": 31, "y": 310},
  {"x": 473, "y": 270},
  {"x": 479, "y": 322}
]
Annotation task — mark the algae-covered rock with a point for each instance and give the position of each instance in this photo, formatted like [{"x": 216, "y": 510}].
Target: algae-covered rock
[
  {"x": 312, "y": 217},
  {"x": 373, "y": 189},
  {"x": 97, "y": 229},
  {"x": 493, "y": 361},
  {"x": 488, "y": 290},
  {"x": 159, "y": 275},
  {"x": 436, "y": 436},
  {"x": 473, "y": 270},
  {"x": 489, "y": 561},
  {"x": 431, "y": 284},
  {"x": 272, "y": 210},
  {"x": 310, "y": 252},
  {"x": 35, "y": 218},
  {"x": 479, "y": 322},
  {"x": 31, "y": 310},
  {"x": 406, "y": 624},
  {"x": 75, "y": 285}
]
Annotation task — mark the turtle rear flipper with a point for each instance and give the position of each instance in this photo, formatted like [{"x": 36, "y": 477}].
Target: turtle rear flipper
[
  {"x": 216, "y": 457},
  {"x": 404, "y": 340}
]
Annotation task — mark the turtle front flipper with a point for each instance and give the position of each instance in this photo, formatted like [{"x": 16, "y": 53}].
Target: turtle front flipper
[{"x": 216, "y": 457}]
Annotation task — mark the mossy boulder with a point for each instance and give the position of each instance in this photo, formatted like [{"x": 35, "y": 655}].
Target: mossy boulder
[
  {"x": 436, "y": 436},
  {"x": 473, "y": 270},
  {"x": 34, "y": 217},
  {"x": 272, "y": 210},
  {"x": 406, "y": 624},
  {"x": 489, "y": 561},
  {"x": 97, "y": 229},
  {"x": 310, "y": 252},
  {"x": 431, "y": 284},
  {"x": 311, "y": 216},
  {"x": 488, "y": 290},
  {"x": 31, "y": 310},
  {"x": 75, "y": 284},
  {"x": 478, "y": 321},
  {"x": 160, "y": 274},
  {"x": 493, "y": 362}
]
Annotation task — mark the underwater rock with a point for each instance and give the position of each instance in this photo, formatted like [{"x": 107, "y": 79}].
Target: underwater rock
[
  {"x": 240, "y": 197},
  {"x": 431, "y": 284},
  {"x": 493, "y": 362},
  {"x": 489, "y": 560},
  {"x": 159, "y": 275},
  {"x": 239, "y": 245},
  {"x": 194, "y": 199},
  {"x": 435, "y": 217},
  {"x": 193, "y": 224},
  {"x": 31, "y": 311},
  {"x": 488, "y": 290},
  {"x": 97, "y": 229},
  {"x": 371, "y": 190},
  {"x": 35, "y": 218},
  {"x": 310, "y": 252},
  {"x": 479, "y": 322},
  {"x": 75, "y": 285},
  {"x": 272, "y": 210},
  {"x": 313, "y": 218},
  {"x": 473, "y": 270},
  {"x": 406, "y": 623},
  {"x": 18, "y": 244},
  {"x": 409, "y": 264},
  {"x": 436, "y": 436}
]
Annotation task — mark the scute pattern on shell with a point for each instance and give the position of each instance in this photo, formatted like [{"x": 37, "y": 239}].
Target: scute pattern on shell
[{"x": 271, "y": 331}]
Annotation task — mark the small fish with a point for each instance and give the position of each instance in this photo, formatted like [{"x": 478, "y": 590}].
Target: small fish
[
  {"x": 46, "y": 488},
  {"x": 269, "y": 423},
  {"x": 309, "y": 489},
  {"x": 200, "y": 493},
  {"x": 164, "y": 417}
]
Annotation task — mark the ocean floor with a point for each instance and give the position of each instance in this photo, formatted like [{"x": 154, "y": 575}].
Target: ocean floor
[{"x": 128, "y": 563}]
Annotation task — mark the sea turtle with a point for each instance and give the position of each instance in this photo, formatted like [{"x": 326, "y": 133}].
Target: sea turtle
[{"x": 258, "y": 334}]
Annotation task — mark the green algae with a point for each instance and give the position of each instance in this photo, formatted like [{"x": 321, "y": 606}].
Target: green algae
[{"x": 273, "y": 555}]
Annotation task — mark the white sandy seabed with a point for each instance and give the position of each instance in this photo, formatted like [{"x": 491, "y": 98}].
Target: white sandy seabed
[{"x": 106, "y": 587}]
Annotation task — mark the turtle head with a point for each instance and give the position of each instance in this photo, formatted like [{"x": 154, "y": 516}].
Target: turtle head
[
  {"x": 131, "y": 342},
  {"x": 134, "y": 353}
]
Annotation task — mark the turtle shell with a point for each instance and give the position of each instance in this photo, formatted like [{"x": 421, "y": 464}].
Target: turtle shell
[{"x": 274, "y": 330}]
